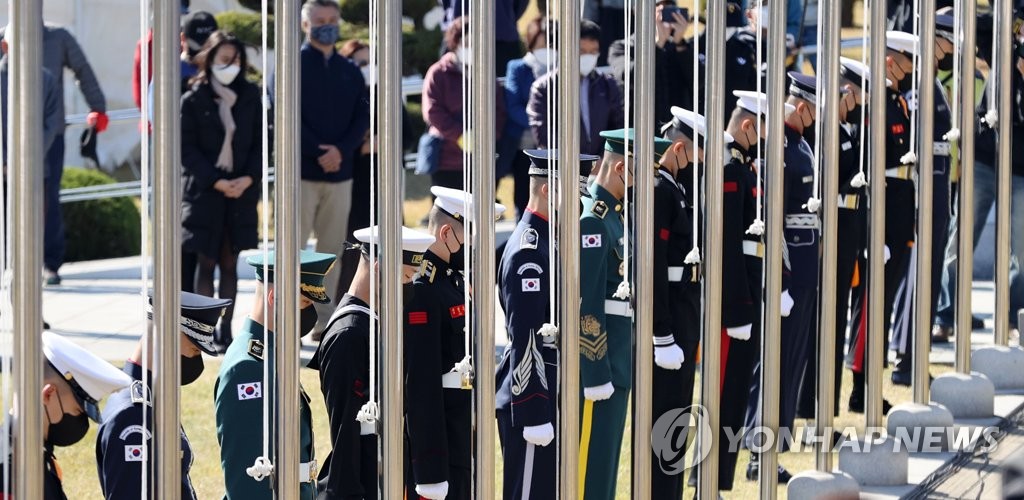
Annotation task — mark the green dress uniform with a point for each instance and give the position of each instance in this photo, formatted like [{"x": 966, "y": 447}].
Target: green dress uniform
[{"x": 241, "y": 388}]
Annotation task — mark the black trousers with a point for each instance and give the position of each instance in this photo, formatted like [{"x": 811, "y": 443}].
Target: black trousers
[{"x": 530, "y": 471}]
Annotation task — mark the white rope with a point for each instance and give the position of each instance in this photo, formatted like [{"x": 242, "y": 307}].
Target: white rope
[
  {"x": 757, "y": 227},
  {"x": 550, "y": 329},
  {"x": 623, "y": 291},
  {"x": 911, "y": 157},
  {"x": 146, "y": 72},
  {"x": 992, "y": 114},
  {"x": 263, "y": 467},
  {"x": 693, "y": 257},
  {"x": 465, "y": 366},
  {"x": 958, "y": 34},
  {"x": 860, "y": 179},
  {"x": 6, "y": 307}
]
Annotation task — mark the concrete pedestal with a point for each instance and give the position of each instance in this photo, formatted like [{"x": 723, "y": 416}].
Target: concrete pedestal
[
  {"x": 1004, "y": 366},
  {"x": 874, "y": 462},
  {"x": 814, "y": 485},
  {"x": 920, "y": 428},
  {"x": 965, "y": 396}
]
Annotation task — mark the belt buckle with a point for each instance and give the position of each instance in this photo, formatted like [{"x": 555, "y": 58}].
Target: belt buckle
[
  {"x": 312, "y": 471},
  {"x": 467, "y": 381}
]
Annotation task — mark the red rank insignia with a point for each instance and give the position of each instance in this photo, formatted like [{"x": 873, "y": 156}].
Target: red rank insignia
[
  {"x": 664, "y": 234},
  {"x": 457, "y": 311},
  {"x": 897, "y": 128},
  {"x": 418, "y": 318},
  {"x": 731, "y": 187}
]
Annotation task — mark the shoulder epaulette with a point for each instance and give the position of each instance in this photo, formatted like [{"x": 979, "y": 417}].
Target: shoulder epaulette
[
  {"x": 600, "y": 209},
  {"x": 256, "y": 349},
  {"x": 429, "y": 270},
  {"x": 529, "y": 240}
]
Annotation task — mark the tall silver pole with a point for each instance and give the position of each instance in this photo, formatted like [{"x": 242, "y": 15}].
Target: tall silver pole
[
  {"x": 921, "y": 343},
  {"x": 569, "y": 251},
  {"x": 874, "y": 329},
  {"x": 644, "y": 250},
  {"x": 389, "y": 172},
  {"x": 773, "y": 172},
  {"x": 167, "y": 245},
  {"x": 828, "y": 158},
  {"x": 25, "y": 158},
  {"x": 965, "y": 260},
  {"x": 286, "y": 245},
  {"x": 483, "y": 277},
  {"x": 1004, "y": 68},
  {"x": 714, "y": 160}
]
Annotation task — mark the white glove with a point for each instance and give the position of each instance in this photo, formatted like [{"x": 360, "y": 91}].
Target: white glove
[
  {"x": 433, "y": 491},
  {"x": 787, "y": 303},
  {"x": 888, "y": 254},
  {"x": 540, "y": 435},
  {"x": 740, "y": 332},
  {"x": 669, "y": 357},
  {"x": 599, "y": 393}
]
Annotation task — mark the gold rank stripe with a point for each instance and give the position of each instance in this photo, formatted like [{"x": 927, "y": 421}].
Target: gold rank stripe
[
  {"x": 585, "y": 430},
  {"x": 594, "y": 349}
]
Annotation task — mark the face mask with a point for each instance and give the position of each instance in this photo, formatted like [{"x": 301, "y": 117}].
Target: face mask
[
  {"x": 763, "y": 15},
  {"x": 545, "y": 57},
  {"x": 946, "y": 63},
  {"x": 906, "y": 84},
  {"x": 1018, "y": 48},
  {"x": 587, "y": 63},
  {"x": 191, "y": 368},
  {"x": 226, "y": 74},
  {"x": 325, "y": 34},
  {"x": 457, "y": 260},
  {"x": 854, "y": 115},
  {"x": 369, "y": 74},
  {"x": 69, "y": 430},
  {"x": 464, "y": 55},
  {"x": 307, "y": 320}
]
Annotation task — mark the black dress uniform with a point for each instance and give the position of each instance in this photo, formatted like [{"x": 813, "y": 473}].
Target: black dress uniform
[
  {"x": 740, "y": 58},
  {"x": 53, "y": 488},
  {"x": 438, "y": 403},
  {"x": 119, "y": 445},
  {"x": 343, "y": 359},
  {"x": 527, "y": 376}
]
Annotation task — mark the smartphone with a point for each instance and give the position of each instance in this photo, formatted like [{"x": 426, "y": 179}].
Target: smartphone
[{"x": 668, "y": 11}]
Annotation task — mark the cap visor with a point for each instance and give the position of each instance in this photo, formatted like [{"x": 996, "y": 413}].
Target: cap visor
[
  {"x": 92, "y": 411},
  {"x": 319, "y": 298},
  {"x": 206, "y": 346}
]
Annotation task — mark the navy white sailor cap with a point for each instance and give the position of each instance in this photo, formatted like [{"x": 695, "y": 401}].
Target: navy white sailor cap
[
  {"x": 414, "y": 243},
  {"x": 756, "y": 102},
  {"x": 199, "y": 317},
  {"x": 90, "y": 377},
  {"x": 458, "y": 204},
  {"x": 903, "y": 42}
]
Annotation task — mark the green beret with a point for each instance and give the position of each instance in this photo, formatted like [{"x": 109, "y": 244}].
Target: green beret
[
  {"x": 615, "y": 141},
  {"x": 313, "y": 266}
]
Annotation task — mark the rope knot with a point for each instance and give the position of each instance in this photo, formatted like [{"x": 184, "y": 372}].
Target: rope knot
[
  {"x": 952, "y": 135},
  {"x": 465, "y": 367},
  {"x": 549, "y": 331},
  {"x": 909, "y": 159},
  {"x": 812, "y": 205},
  {"x": 756, "y": 228},
  {"x": 991, "y": 118},
  {"x": 260, "y": 469},
  {"x": 859, "y": 180},
  {"x": 622, "y": 292},
  {"x": 693, "y": 257},
  {"x": 369, "y": 413}
]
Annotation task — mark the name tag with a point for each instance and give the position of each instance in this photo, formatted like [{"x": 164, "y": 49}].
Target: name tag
[{"x": 847, "y": 146}]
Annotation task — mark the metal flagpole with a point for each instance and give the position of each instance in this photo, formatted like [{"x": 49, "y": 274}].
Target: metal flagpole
[
  {"x": 772, "y": 338},
  {"x": 167, "y": 246},
  {"x": 921, "y": 343},
  {"x": 714, "y": 161},
  {"x": 569, "y": 248},
  {"x": 389, "y": 172},
  {"x": 26, "y": 155},
  {"x": 483, "y": 275},
  {"x": 876, "y": 241},
  {"x": 286, "y": 245},
  {"x": 827, "y": 157},
  {"x": 644, "y": 256},
  {"x": 965, "y": 258},
  {"x": 1003, "y": 68}
]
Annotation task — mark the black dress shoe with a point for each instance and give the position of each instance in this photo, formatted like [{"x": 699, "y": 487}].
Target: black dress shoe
[
  {"x": 46, "y": 326},
  {"x": 900, "y": 377},
  {"x": 977, "y": 323},
  {"x": 856, "y": 404},
  {"x": 754, "y": 472}
]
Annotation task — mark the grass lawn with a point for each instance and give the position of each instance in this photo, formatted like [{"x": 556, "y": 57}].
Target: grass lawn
[{"x": 80, "y": 478}]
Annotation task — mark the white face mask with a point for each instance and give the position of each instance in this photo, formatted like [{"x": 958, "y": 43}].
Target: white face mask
[
  {"x": 763, "y": 15},
  {"x": 546, "y": 57},
  {"x": 226, "y": 74},
  {"x": 587, "y": 63},
  {"x": 369, "y": 74},
  {"x": 465, "y": 55}
]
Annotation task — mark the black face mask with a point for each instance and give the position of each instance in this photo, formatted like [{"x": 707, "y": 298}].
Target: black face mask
[
  {"x": 307, "y": 320},
  {"x": 853, "y": 116},
  {"x": 69, "y": 430},
  {"x": 946, "y": 63},
  {"x": 457, "y": 260},
  {"x": 191, "y": 368},
  {"x": 905, "y": 85}
]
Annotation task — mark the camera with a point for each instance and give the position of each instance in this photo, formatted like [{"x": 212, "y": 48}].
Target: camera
[{"x": 668, "y": 11}]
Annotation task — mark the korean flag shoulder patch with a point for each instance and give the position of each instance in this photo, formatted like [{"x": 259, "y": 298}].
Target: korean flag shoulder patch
[
  {"x": 531, "y": 284},
  {"x": 250, "y": 390},
  {"x": 591, "y": 241},
  {"x": 133, "y": 453}
]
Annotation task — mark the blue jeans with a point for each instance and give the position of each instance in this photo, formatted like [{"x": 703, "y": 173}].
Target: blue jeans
[
  {"x": 984, "y": 199},
  {"x": 53, "y": 222}
]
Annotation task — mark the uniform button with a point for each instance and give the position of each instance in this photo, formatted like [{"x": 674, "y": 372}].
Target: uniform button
[
  {"x": 796, "y": 239},
  {"x": 618, "y": 208}
]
